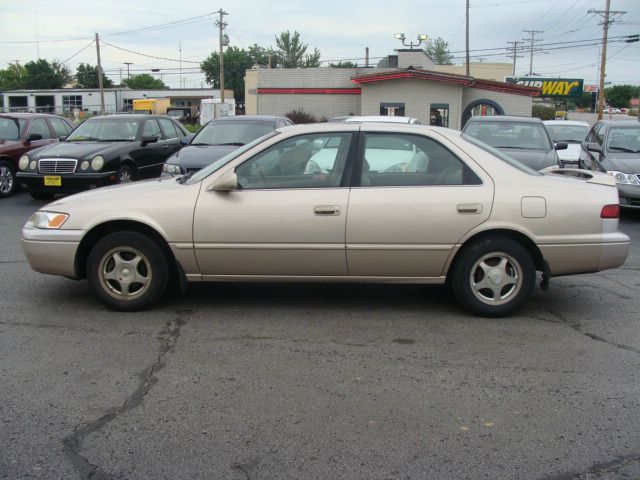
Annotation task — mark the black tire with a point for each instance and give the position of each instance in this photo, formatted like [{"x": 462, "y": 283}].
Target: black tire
[
  {"x": 41, "y": 195},
  {"x": 8, "y": 182},
  {"x": 493, "y": 277},
  {"x": 127, "y": 271},
  {"x": 125, "y": 174}
]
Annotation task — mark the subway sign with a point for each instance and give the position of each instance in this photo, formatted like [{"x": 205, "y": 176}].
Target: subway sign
[{"x": 552, "y": 87}]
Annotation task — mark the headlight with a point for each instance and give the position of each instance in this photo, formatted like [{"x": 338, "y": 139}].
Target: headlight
[
  {"x": 171, "y": 169},
  {"x": 97, "y": 163},
  {"x": 84, "y": 165},
  {"x": 624, "y": 178},
  {"x": 47, "y": 220},
  {"x": 23, "y": 163},
  {"x": 33, "y": 165}
]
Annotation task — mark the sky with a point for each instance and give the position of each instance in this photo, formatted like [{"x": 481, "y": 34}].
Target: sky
[{"x": 339, "y": 29}]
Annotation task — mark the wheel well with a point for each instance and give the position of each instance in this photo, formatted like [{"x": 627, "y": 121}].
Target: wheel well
[
  {"x": 522, "y": 239},
  {"x": 129, "y": 163},
  {"x": 10, "y": 161},
  {"x": 100, "y": 231}
]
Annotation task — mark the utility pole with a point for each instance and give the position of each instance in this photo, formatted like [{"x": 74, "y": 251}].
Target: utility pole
[
  {"x": 128, "y": 64},
  {"x": 100, "y": 86},
  {"x": 180, "y": 50},
  {"x": 514, "y": 55},
  {"x": 220, "y": 24},
  {"x": 607, "y": 13},
  {"x": 366, "y": 57},
  {"x": 467, "y": 40},
  {"x": 532, "y": 39}
]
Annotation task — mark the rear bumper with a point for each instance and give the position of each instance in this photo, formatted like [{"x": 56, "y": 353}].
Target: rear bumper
[
  {"x": 51, "y": 251},
  {"x": 71, "y": 183}
]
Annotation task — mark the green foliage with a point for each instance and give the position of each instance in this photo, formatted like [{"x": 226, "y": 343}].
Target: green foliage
[
  {"x": 192, "y": 128},
  {"x": 236, "y": 62},
  {"x": 13, "y": 77},
  {"x": 293, "y": 53},
  {"x": 87, "y": 77},
  {"x": 438, "y": 50},
  {"x": 342, "y": 64},
  {"x": 543, "y": 112},
  {"x": 42, "y": 74},
  {"x": 620, "y": 95},
  {"x": 264, "y": 57},
  {"x": 143, "y": 81},
  {"x": 299, "y": 115}
]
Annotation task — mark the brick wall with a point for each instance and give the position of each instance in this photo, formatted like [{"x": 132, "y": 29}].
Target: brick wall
[{"x": 319, "y": 106}]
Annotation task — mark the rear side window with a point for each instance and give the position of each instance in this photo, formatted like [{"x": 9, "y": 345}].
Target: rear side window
[
  {"x": 398, "y": 160},
  {"x": 39, "y": 125},
  {"x": 61, "y": 127},
  {"x": 168, "y": 128}
]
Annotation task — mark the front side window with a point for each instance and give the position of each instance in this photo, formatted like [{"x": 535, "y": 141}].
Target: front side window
[
  {"x": 392, "y": 160},
  {"x": 306, "y": 161},
  {"x": 151, "y": 129},
  {"x": 598, "y": 134},
  {"x": 39, "y": 125}
]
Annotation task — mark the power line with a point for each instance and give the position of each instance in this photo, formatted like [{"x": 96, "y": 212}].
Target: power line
[
  {"x": 78, "y": 52},
  {"x": 147, "y": 55}
]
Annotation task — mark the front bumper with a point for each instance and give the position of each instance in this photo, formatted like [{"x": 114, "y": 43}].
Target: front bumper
[
  {"x": 51, "y": 251},
  {"x": 629, "y": 195},
  {"x": 70, "y": 183}
]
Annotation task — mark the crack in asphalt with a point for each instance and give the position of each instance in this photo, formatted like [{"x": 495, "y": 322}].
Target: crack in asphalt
[
  {"x": 47, "y": 325},
  {"x": 72, "y": 444},
  {"x": 611, "y": 466}
]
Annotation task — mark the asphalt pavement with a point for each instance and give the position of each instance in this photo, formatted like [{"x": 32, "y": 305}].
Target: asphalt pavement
[{"x": 316, "y": 381}]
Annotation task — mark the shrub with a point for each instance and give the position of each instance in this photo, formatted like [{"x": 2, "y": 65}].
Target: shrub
[
  {"x": 543, "y": 113},
  {"x": 298, "y": 116},
  {"x": 192, "y": 128}
]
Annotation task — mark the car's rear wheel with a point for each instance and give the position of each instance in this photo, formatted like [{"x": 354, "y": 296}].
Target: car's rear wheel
[
  {"x": 128, "y": 271},
  {"x": 125, "y": 174},
  {"x": 493, "y": 277},
  {"x": 41, "y": 195},
  {"x": 7, "y": 179}
]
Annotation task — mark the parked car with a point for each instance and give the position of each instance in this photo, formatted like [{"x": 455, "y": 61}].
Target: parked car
[
  {"x": 102, "y": 151},
  {"x": 219, "y": 137},
  {"x": 570, "y": 132},
  {"x": 522, "y": 138},
  {"x": 376, "y": 119},
  {"x": 184, "y": 114},
  {"x": 614, "y": 147},
  {"x": 20, "y": 133},
  {"x": 462, "y": 213}
]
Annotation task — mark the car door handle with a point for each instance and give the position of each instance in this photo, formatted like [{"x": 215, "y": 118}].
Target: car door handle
[
  {"x": 327, "y": 210},
  {"x": 165, "y": 146},
  {"x": 469, "y": 208}
]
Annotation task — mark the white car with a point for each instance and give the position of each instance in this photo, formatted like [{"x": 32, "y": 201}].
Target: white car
[{"x": 570, "y": 131}]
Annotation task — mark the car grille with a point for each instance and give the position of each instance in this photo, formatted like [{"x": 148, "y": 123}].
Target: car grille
[{"x": 57, "y": 165}]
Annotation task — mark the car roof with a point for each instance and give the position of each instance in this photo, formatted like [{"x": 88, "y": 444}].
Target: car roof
[
  {"x": 505, "y": 119},
  {"x": 620, "y": 123},
  {"x": 375, "y": 118},
  {"x": 566, "y": 122},
  {"x": 253, "y": 118},
  {"x": 29, "y": 115}
]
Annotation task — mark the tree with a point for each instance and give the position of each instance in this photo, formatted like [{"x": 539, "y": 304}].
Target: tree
[
  {"x": 236, "y": 62},
  {"x": 264, "y": 57},
  {"x": 42, "y": 74},
  {"x": 438, "y": 50},
  {"x": 87, "y": 77},
  {"x": 293, "y": 53},
  {"x": 144, "y": 81},
  {"x": 13, "y": 77},
  {"x": 620, "y": 95},
  {"x": 342, "y": 64}
]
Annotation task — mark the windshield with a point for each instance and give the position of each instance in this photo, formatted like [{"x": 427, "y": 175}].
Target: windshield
[
  {"x": 625, "y": 139},
  {"x": 11, "y": 128},
  {"x": 501, "y": 155},
  {"x": 231, "y": 133},
  {"x": 521, "y": 136},
  {"x": 208, "y": 170},
  {"x": 568, "y": 133},
  {"x": 105, "y": 130}
]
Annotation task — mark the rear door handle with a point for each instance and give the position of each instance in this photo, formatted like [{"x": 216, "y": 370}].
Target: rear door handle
[
  {"x": 469, "y": 208},
  {"x": 325, "y": 210}
]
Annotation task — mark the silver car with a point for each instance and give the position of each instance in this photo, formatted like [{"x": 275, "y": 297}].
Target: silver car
[{"x": 340, "y": 202}]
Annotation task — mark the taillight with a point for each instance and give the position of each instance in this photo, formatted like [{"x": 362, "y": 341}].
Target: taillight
[{"x": 610, "y": 211}]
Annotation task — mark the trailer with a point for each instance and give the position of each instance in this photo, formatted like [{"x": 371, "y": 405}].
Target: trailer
[
  {"x": 156, "y": 106},
  {"x": 211, "y": 108}
]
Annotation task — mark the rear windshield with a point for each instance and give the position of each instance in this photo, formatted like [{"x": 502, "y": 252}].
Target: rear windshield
[
  {"x": 501, "y": 155},
  {"x": 516, "y": 135}
]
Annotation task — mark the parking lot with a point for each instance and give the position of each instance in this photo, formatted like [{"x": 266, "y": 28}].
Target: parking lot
[{"x": 317, "y": 381}]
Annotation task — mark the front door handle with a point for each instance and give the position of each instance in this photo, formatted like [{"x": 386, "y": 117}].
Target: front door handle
[
  {"x": 325, "y": 210},
  {"x": 469, "y": 208}
]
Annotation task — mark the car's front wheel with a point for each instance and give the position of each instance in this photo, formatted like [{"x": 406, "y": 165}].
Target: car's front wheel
[
  {"x": 128, "y": 271},
  {"x": 7, "y": 179},
  {"x": 125, "y": 174},
  {"x": 493, "y": 277}
]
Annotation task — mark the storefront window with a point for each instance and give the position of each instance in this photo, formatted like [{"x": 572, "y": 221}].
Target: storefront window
[
  {"x": 392, "y": 109},
  {"x": 439, "y": 115}
]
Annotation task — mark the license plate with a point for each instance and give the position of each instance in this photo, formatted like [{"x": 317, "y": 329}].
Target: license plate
[{"x": 52, "y": 181}]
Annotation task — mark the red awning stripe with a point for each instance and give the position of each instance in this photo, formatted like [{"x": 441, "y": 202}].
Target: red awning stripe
[{"x": 309, "y": 91}]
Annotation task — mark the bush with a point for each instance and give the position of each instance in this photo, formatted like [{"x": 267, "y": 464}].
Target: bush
[
  {"x": 299, "y": 116},
  {"x": 543, "y": 113},
  {"x": 192, "y": 128}
]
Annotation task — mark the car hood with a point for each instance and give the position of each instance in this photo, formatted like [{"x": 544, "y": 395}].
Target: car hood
[
  {"x": 536, "y": 159},
  {"x": 572, "y": 153},
  {"x": 199, "y": 156},
  {"x": 81, "y": 150},
  {"x": 8, "y": 143},
  {"x": 623, "y": 162}
]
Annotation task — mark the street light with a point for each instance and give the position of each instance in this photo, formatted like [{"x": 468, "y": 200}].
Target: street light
[{"x": 421, "y": 38}]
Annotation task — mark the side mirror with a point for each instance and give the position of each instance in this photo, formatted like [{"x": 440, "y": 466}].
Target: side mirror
[
  {"x": 561, "y": 146},
  {"x": 594, "y": 147},
  {"x": 147, "y": 140},
  {"x": 187, "y": 139},
  {"x": 62, "y": 138},
  {"x": 33, "y": 137},
  {"x": 226, "y": 183}
]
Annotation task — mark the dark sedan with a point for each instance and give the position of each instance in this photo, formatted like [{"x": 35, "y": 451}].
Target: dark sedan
[
  {"x": 102, "y": 151},
  {"x": 220, "y": 137},
  {"x": 522, "y": 138},
  {"x": 20, "y": 133},
  {"x": 614, "y": 147}
]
